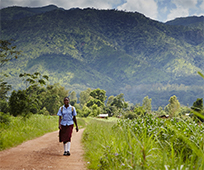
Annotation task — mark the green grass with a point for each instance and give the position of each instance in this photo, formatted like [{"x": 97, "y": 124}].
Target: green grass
[
  {"x": 81, "y": 122},
  {"x": 20, "y": 129},
  {"x": 94, "y": 139},
  {"x": 144, "y": 143}
]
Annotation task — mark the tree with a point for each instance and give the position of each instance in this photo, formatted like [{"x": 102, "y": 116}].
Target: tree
[
  {"x": 111, "y": 110},
  {"x": 160, "y": 111},
  {"x": 95, "y": 110},
  {"x": 91, "y": 102},
  {"x": 73, "y": 98},
  {"x": 4, "y": 88},
  {"x": 85, "y": 111},
  {"x": 147, "y": 104},
  {"x": 119, "y": 101},
  {"x": 32, "y": 81},
  {"x": 98, "y": 98},
  {"x": 110, "y": 100},
  {"x": 54, "y": 98},
  {"x": 130, "y": 115},
  {"x": 84, "y": 97},
  {"x": 18, "y": 103},
  {"x": 139, "y": 111},
  {"x": 173, "y": 106},
  {"x": 99, "y": 94},
  {"x": 198, "y": 105},
  {"x": 4, "y": 106},
  {"x": 27, "y": 101},
  {"x": 7, "y": 53}
]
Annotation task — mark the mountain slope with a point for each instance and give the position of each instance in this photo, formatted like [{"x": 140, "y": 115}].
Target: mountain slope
[{"x": 114, "y": 50}]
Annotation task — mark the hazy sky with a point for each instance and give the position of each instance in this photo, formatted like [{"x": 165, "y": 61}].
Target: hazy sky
[{"x": 160, "y": 10}]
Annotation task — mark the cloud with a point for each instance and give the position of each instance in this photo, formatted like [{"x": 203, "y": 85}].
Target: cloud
[
  {"x": 185, "y": 3},
  {"x": 67, "y": 4},
  {"x": 25, "y": 3},
  {"x": 163, "y": 10},
  {"x": 101, "y": 4},
  {"x": 182, "y": 8},
  {"x": 202, "y": 5},
  {"x": 147, "y": 7},
  {"x": 178, "y": 12}
]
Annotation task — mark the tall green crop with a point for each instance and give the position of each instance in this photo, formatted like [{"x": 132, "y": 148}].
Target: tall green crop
[{"x": 145, "y": 143}]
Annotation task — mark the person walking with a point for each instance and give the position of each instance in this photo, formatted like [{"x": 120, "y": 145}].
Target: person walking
[{"x": 67, "y": 118}]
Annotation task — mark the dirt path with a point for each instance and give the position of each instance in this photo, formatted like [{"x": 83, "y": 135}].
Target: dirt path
[{"x": 44, "y": 153}]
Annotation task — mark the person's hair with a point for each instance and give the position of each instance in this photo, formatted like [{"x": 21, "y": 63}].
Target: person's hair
[{"x": 66, "y": 98}]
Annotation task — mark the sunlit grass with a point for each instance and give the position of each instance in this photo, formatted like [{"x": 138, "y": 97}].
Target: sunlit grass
[
  {"x": 145, "y": 143},
  {"x": 20, "y": 129}
]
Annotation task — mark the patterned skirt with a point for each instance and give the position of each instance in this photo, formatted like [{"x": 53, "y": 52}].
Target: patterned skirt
[{"x": 65, "y": 133}]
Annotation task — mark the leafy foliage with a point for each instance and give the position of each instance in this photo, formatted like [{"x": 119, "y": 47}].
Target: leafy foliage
[
  {"x": 18, "y": 103},
  {"x": 147, "y": 104},
  {"x": 8, "y": 52},
  {"x": 198, "y": 105},
  {"x": 119, "y": 101},
  {"x": 98, "y": 98},
  {"x": 173, "y": 106}
]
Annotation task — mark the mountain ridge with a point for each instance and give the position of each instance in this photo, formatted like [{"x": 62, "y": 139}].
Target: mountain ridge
[{"x": 114, "y": 50}]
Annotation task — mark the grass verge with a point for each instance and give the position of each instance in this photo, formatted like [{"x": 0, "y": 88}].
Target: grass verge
[
  {"x": 144, "y": 143},
  {"x": 20, "y": 130}
]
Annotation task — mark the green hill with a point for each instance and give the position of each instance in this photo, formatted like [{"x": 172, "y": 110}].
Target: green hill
[{"x": 120, "y": 52}]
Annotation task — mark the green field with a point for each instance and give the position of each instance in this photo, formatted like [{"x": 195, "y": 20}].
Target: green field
[{"x": 144, "y": 143}]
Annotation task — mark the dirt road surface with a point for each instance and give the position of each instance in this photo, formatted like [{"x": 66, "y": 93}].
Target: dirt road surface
[{"x": 44, "y": 153}]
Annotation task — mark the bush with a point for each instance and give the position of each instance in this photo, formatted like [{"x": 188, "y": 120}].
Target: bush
[
  {"x": 84, "y": 112},
  {"x": 130, "y": 115},
  {"x": 44, "y": 111},
  {"x": 4, "y": 119},
  {"x": 4, "y": 106},
  {"x": 139, "y": 111},
  {"x": 18, "y": 103}
]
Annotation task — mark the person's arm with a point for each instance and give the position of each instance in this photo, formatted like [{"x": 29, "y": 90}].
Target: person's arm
[
  {"x": 60, "y": 118},
  {"x": 75, "y": 121}
]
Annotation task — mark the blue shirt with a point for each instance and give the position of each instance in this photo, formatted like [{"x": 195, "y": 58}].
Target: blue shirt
[{"x": 67, "y": 115}]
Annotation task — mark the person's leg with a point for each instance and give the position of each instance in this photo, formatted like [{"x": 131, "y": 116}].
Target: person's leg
[
  {"x": 68, "y": 148},
  {"x": 63, "y": 138},
  {"x": 65, "y": 147},
  {"x": 69, "y": 139}
]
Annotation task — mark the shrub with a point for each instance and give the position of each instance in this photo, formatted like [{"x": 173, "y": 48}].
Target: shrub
[
  {"x": 4, "y": 118},
  {"x": 130, "y": 115},
  {"x": 44, "y": 111},
  {"x": 4, "y": 106}
]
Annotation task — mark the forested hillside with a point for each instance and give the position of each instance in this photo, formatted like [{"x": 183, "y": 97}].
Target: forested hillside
[{"x": 120, "y": 52}]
